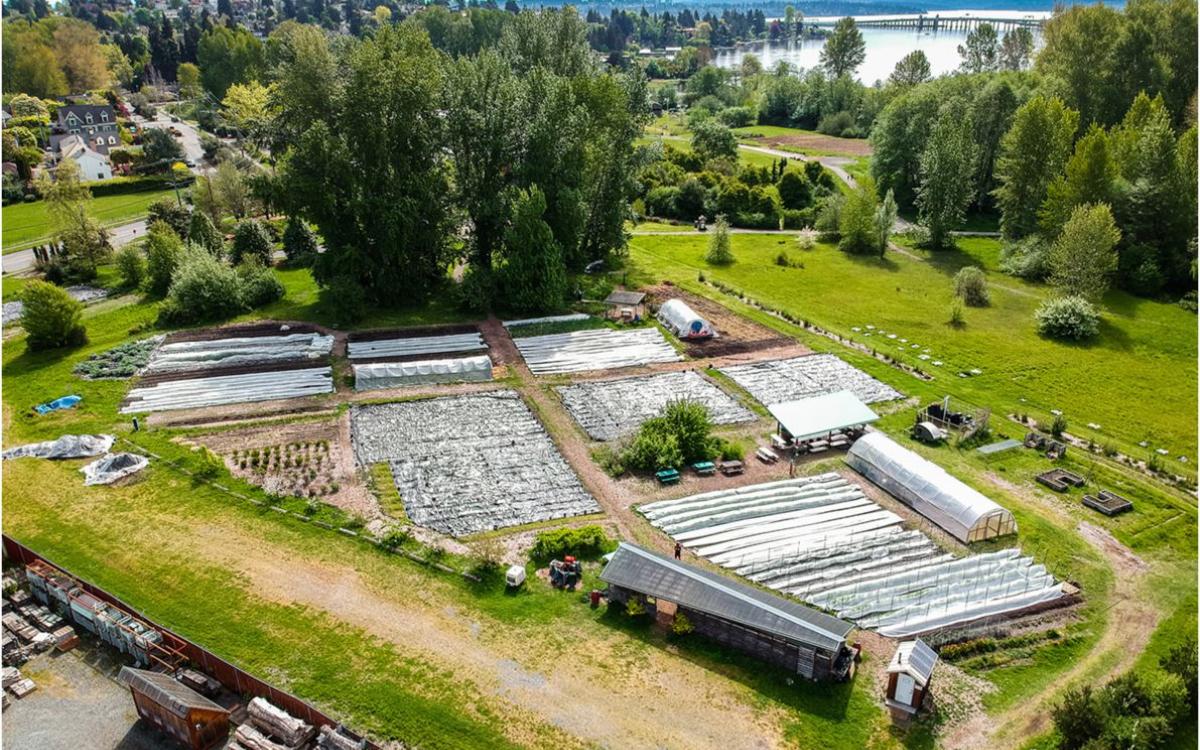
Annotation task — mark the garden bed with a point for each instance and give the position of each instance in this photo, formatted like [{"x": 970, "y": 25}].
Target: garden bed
[{"x": 782, "y": 380}]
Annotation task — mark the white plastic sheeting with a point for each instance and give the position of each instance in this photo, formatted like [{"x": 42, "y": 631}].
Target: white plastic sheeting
[
  {"x": 378, "y": 375},
  {"x": 571, "y": 317},
  {"x": 194, "y": 393},
  {"x": 112, "y": 467},
  {"x": 822, "y": 540},
  {"x": 792, "y": 379},
  {"x": 186, "y": 356},
  {"x": 67, "y": 446},
  {"x": 597, "y": 349},
  {"x": 929, "y": 489},
  {"x": 414, "y": 345},
  {"x": 464, "y": 464},
  {"x": 608, "y": 409},
  {"x": 679, "y": 318}
]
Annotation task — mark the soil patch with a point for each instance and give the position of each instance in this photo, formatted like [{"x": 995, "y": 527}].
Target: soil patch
[
  {"x": 736, "y": 334},
  {"x": 822, "y": 144}
]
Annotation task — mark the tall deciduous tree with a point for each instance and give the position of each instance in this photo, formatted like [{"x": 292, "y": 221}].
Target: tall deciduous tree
[
  {"x": 947, "y": 173},
  {"x": 712, "y": 140},
  {"x": 1032, "y": 153},
  {"x": 857, "y": 226},
  {"x": 1084, "y": 257},
  {"x": 912, "y": 69},
  {"x": 844, "y": 49},
  {"x": 77, "y": 47},
  {"x": 1016, "y": 49},
  {"x": 30, "y": 66},
  {"x": 227, "y": 56},
  {"x": 1088, "y": 178},
  {"x": 981, "y": 51}
]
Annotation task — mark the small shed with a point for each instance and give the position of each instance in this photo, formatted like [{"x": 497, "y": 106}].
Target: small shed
[
  {"x": 625, "y": 305},
  {"x": 819, "y": 416},
  {"x": 908, "y": 677},
  {"x": 678, "y": 317},
  {"x": 193, "y": 720},
  {"x": 781, "y": 632}
]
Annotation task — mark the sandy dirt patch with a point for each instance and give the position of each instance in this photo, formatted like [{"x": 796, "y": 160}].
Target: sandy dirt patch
[{"x": 819, "y": 144}]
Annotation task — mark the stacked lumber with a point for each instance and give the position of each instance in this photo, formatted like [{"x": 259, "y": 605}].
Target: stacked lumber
[
  {"x": 333, "y": 739},
  {"x": 278, "y": 723}
]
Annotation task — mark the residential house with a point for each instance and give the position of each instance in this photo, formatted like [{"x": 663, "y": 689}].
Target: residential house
[
  {"x": 92, "y": 164},
  {"x": 96, "y": 124}
]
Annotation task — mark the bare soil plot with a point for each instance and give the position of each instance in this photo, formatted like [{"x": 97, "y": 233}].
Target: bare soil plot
[
  {"x": 818, "y": 143},
  {"x": 471, "y": 463},
  {"x": 735, "y": 334}
]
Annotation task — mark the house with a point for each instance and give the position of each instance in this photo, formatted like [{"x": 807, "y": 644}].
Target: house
[
  {"x": 96, "y": 124},
  {"x": 769, "y": 627},
  {"x": 908, "y": 677},
  {"x": 92, "y": 164},
  {"x": 193, "y": 720},
  {"x": 625, "y": 305}
]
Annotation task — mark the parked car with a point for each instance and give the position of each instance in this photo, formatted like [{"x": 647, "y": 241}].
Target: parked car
[{"x": 596, "y": 266}]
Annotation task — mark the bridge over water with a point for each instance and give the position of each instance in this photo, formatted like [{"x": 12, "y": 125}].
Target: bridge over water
[{"x": 937, "y": 22}]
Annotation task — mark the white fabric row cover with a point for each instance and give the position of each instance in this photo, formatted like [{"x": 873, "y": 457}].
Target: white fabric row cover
[
  {"x": 679, "y": 318},
  {"x": 821, "y": 415},
  {"x": 378, "y": 375},
  {"x": 822, "y": 540},
  {"x": 413, "y": 345},
  {"x": 596, "y": 349},
  {"x": 780, "y": 380},
  {"x": 569, "y": 318},
  {"x": 67, "y": 446},
  {"x": 112, "y": 467},
  {"x": 608, "y": 409},
  {"x": 195, "y": 393},
  {"x": 929, "y": 489},
  {"x": 185, "y": 356}
]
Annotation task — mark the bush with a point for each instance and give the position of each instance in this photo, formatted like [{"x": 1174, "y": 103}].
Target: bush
[
  {"x": 681, "y": 625},
  {"x": 737, "y": 117},
  {"x": 250, "y": 240},
  {"x": 207, "y": 465},
  {"x": 970, "y": 285},
  {"x": 174, "y": 215},
  {"x": 1068, "y": 318},
  {"x": 1058, "y": 426},
  {"x": 837, "y": 124},
  {"x": 51, "y": 317},
  {"x": 584, "y": 543},
  {"x": 258, "y": 285},
  {"x": 163, "y": 252},
  {"x": 131, "y": 267},
  {"x": 957, "y": 320},
  {"x": 719, "y": 253},
  {"x": 204, "y": 288},
  {"x": 1026, "y": 259},
  {"x": 344, "y": 298},
  {"x": 681, "y": 434},
  {"x": 203, "y": 233},
  {"x": 299, "y": 242},
  {"x": 487, "y": 556}
]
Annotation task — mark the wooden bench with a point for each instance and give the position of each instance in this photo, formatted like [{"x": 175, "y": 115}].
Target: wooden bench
[{"x": 667, "y": 476}]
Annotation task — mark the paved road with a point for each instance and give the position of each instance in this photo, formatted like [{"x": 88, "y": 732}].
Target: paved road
[
  {"x": 190, "y": 140},
  {"x": 22, "y": 260}
]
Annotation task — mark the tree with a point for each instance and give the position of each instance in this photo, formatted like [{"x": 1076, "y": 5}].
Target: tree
[
  {"x": 1016, "y": 49},
  {"x": 1077, "y": 53},
  {"x": 885, "y": 218},
  {"x": 947, "y": 174},
  {"x": 247, "y": 106},
  {"x": 83, "y": 62},
  {"x": 1084, "y": 257},
  {"x": 131, "y": 267},
  {"x": 168, "y": 211},
  {"x": 844, "y": 49},
  {"x": 1088, "y": 178},
  {"x": 303, "y": 74},
  {"x": 299, "y": 242},
  {"x": 203, "y": 233},
  {"x": 30, "y": 66},
  {"x": 981, "y": 52},
  {"x": 227, "y": 56},
  {"x": 51, "y": 317},
  {"x": 1032, "y": 153},
  {"x": 795, "y": 192},
  {"x": 164, "y": 250},
  {"x": 532, "y": 273},
  {"x": 712, "y": 140},
  {"x": 160, "y": 150},
  {"x": 912, "y": 69},
  {"x": 68, "y": 204},
  {"x": 970, "y": 285},
  {"x": 203, "y": 288},
  {"x": 188, "y": 77},
  {"x": 719, "y": 251},
  {"x": 250, "y": 240},
  {"x": 223, "y": 192},
  {"x": 857, "y": 228},
  {"x": 120, "y": 69}
]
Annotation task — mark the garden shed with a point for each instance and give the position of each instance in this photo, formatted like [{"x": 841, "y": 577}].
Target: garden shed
[
  {"x": 774, "y": 629},
  {"x": 929, "y": 489},
  {"x": 193, "y": 720},
  {"x": 908, "y": 677},
  {"x": 625, "y": 305}
]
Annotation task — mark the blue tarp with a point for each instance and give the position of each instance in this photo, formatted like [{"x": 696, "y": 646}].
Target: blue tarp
[{"x": 66, "y": 402}]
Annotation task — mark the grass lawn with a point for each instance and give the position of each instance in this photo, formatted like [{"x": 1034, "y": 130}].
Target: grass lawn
[
  {"x": 1137, "y": 381},
  {"x": 27, "y": 224}
]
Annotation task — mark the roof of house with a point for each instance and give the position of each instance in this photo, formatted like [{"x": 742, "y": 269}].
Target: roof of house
[
  {"x": 915, "y": 659},
  {"x": 648, "y": 573},
  {"x": 622, "y": 297},
  {"x": 166, "y": 691},
  {"x": 82, "y": 110},
  {"x": 820, "y": 415}
]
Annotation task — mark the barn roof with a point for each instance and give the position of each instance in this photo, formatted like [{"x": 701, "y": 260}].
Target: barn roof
[
  {"x": 915, "y": 659},
  {"x": 640, "y": 570},
  {"x": 623, "y": 297},
  {"x": 166, "y": 691}
]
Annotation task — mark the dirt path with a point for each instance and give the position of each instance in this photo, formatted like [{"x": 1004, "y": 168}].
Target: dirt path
[{"x": 1131, "y": 621}]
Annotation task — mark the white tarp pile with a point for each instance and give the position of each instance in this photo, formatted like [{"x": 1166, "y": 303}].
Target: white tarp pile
[
  {"x": 112, "y": 467},
  {"x": 822, "y": 540},
  {"x": 464, "y": 464},
  {"x": 186, "y": 356},
  {"x": 608, "y": 409},
  {"x": 568, "y": 318},
  {"x": 595, "y": 349},
  {"x": 793, "y": 379},
  {"x": 378, "y": 375},
  {"x": 67, "y": 446},
  {"x": 416, "y": 345},
  {"x": 194, "y": 393}
]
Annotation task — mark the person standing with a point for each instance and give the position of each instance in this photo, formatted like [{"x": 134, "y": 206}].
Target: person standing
[{"x": 678, "y": 550}]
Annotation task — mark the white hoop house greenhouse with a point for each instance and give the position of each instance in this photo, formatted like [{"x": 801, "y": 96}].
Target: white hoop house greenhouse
[{"x": 929, "y": 489}]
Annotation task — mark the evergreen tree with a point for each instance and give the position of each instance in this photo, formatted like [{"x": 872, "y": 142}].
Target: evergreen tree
[
  {"x": 719, "y": 251},
  {"x": 981, "y": 52},
  {"x": 844, "y": 49},
  {"x": 1032, "y": 153},
  {"x": 912, "y": 69},
  {"x": 857, "y": 226},
  {"x": 533, "y": 274},
  {"x": 203, "y": 233}
]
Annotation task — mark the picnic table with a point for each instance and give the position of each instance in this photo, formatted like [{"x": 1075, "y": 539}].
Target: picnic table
[
  {"x": 766, "y": 455},
  {"x": 704, "y": 468},
  {"x": 730, "y": 468},
  {"x": 667, "y": 476}
]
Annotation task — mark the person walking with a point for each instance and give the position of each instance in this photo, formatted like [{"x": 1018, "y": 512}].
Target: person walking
[{"x": 678, "y": 550}]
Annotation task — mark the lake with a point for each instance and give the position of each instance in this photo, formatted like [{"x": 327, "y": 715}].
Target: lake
[{"x": 885, "y": 47}]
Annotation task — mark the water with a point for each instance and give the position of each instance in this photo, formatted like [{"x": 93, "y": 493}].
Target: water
[{"x": 885, "y": 47}]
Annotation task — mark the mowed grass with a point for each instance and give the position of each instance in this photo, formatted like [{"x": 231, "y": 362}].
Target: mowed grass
[
  {"x": 1137, "y": 380},
  {"x": 27, "y": 224}
]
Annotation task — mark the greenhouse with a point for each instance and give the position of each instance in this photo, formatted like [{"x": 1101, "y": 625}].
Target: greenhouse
[
  {"x": 929, "y": 489},
  {"x": 392, "y": 374}
]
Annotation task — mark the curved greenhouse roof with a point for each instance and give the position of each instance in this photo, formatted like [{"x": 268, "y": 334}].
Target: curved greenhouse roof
[{"x": 929, "y": 489}]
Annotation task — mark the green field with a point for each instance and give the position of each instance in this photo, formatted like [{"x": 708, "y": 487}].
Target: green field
[{"x": 27, "y": 224}]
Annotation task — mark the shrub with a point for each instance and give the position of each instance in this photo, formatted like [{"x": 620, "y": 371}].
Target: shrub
[
  {"x": 681, "y": 434},
  {"x": 207, "y": 465},
  {"x": 163, "y": 252},
  {"x": 250, "y": 240},
  {"x": 1058, "y": 426},
  {"x": 299, "y": 242},
  {"x": 837, "y": 124},
  {"x": 204, "y": 288},
  {"x": 585, "y": 542},
  {"x": 344, "y": 297},
  {"x": 203, "y": 233},
  {"x": 174, "y": 215},
  {"x": 131, "y": 267},
  {"x": 719, "y": 253},
  {"x": 681, "y": 625},
  {"x": 970, "y": 285},
  {"x": 488, "y": 555},
  {"x": 51, "y": 317},
  {"x": 1026, "y": 259},
  {"x": 258, "y": 285},
  {"x": 1068, "y": 318},
  {"x": 635, "y": 607},
  {"x": 957, "y": 320},
  {"x": 737, "y": 117},
  {"x": 653, "y": 448},
  {"x": 395, "y": 538}
]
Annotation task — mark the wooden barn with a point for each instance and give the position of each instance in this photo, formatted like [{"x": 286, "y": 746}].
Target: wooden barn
[
  {"x": 908, "y": 677},
  {"x": 776, "y": 630},
  {"x": 193, "y": 720}
]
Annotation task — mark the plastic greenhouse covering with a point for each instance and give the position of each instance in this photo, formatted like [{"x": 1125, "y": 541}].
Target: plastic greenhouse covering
[
  {"x": 416, "y": 345},
  {"x": 186, "y": 356},
  {"x": 929, "y": 489},
  {"x": 195, "y": 393},
  {"x": 683, "y": 321},
  {"x": 392, "y": 374},
  {"x": 597, "y": 349},
  {"x": 67, "y": 446}
]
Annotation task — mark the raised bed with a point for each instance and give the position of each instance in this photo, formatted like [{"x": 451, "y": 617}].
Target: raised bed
[{"x": 1108, "y": 503}]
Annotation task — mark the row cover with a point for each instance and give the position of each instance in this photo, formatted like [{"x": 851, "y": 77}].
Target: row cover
[
  {"x": 596, "y": 349},
  {"x": 393, "y": 374},
  {"x": 229, "y": 389},
  {"x": 185, "y": 356},
  {"x": 413, "y": 345},
  {"x": 793, "y": 379}
]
